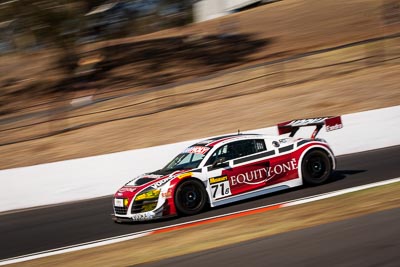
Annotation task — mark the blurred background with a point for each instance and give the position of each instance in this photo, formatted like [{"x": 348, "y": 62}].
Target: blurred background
[{"x": 81, "y": 78}]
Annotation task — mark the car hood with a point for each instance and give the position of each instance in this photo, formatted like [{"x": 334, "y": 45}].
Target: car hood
[{"x": 154, "y": 180}]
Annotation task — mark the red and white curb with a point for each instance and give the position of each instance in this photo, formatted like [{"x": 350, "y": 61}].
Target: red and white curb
[{"x": 121, "y": 238}]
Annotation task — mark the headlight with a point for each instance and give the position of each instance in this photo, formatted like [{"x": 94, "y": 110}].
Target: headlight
[{"x": 151, "y": 194}]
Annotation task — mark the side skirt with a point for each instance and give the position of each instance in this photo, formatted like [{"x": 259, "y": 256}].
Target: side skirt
[{"x": 259, "y": 192}]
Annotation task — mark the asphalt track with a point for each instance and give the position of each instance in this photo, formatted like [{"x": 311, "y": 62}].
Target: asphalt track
[
  {"x": 370, "y": 240},
  {"x": 69, "y": 224}
]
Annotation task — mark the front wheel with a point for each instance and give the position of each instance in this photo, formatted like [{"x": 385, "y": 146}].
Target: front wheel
[
  {"x": 190, "y": 197},
  {"x": 316, "y": 167}
]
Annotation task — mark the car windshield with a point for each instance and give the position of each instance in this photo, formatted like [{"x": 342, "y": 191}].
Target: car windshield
[{"x": 188, "y": 159}]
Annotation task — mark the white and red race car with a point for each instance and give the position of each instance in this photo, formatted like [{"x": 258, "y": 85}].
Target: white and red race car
[{"x": 226, "y": 169}]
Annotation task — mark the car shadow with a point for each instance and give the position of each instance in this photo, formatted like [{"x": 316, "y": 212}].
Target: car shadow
[
  {"x": 210, "y": 212},
  {"x": 342, "y": 174}
]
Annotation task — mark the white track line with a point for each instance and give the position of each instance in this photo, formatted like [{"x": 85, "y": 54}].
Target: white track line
[
  {"x": 339, "y": 192},
  {"x": 126, "y": 237}
]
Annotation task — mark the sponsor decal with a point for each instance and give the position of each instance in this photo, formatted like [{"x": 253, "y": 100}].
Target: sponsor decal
[
  {"x": 184, "y": 175},
  {"x": 305, "y": 122},
  {"x": 143, "y": 216},
  {"x": 215, "y": 180},
  {"x": 220, "y": 187},
  {"x": 197, "y": 150},
  {"x": 276, "y": 144},
  {"x": 162, "y": 182},
  {"x": 334, "y": 127},
  {"x": 167, "y": 194},
  {"x": 263, "y": 175},
  {"x": 333, "y": 123},
  {"x": 127, "y": 189}
]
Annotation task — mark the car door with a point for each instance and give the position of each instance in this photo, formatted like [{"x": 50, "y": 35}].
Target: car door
[{"x": 236, "y": 168}]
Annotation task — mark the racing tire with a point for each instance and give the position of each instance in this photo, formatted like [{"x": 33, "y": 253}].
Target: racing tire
[
  {"x": 316, "y": 167},
  {"x": 190, "y": 197}
]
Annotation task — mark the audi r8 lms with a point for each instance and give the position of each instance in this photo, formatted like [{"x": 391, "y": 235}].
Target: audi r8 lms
[{"x": 226, "y": 169}]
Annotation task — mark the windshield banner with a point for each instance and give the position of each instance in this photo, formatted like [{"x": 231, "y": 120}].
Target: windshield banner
[{"x": 197, "y": 150}]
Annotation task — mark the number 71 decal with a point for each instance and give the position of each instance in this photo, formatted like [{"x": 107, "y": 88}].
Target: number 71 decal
[{"x": 220, "y": 187}]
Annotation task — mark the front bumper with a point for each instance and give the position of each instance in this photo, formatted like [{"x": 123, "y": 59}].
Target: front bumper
[
  {"x": 143, "y": 216},
  {"x": 159, "y": 212}
]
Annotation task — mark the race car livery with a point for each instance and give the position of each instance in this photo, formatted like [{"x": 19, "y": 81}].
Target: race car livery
[{"x": 230, "y": 168}]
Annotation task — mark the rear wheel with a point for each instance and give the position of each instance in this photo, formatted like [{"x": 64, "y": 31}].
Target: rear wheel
[
  {"x": 190, "y": 197},
  {"x": 316, "y": 167}
]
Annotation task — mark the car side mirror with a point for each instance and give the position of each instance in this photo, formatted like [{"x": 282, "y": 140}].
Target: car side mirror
[{"x": 220, "y": 162}]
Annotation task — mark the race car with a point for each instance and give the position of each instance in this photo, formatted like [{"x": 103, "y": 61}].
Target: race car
[{"x": 225, "y": 169}]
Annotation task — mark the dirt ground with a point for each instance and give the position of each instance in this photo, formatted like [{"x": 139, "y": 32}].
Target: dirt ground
[{"x": 126, "y": 113}]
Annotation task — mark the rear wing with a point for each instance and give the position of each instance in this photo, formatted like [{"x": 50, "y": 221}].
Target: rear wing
[{"x": 331, "y": 123}]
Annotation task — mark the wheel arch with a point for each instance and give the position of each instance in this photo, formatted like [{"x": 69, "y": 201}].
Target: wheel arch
[
  {"x": 329, "y": 152},
  {"x": 191, "y": 178}
]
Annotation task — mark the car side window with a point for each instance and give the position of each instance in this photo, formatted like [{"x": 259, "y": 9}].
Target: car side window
[
  {"x": 242, "y": 148},
  {"x": 238, "y": 149},
  {"x": 220, "y": 152}
]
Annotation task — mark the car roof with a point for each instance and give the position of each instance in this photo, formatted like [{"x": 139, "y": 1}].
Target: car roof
[{"x": 210, "y": 142}]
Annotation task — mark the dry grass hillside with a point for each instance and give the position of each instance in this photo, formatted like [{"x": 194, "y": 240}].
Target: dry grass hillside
[{"x": 148, "y": 90}]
